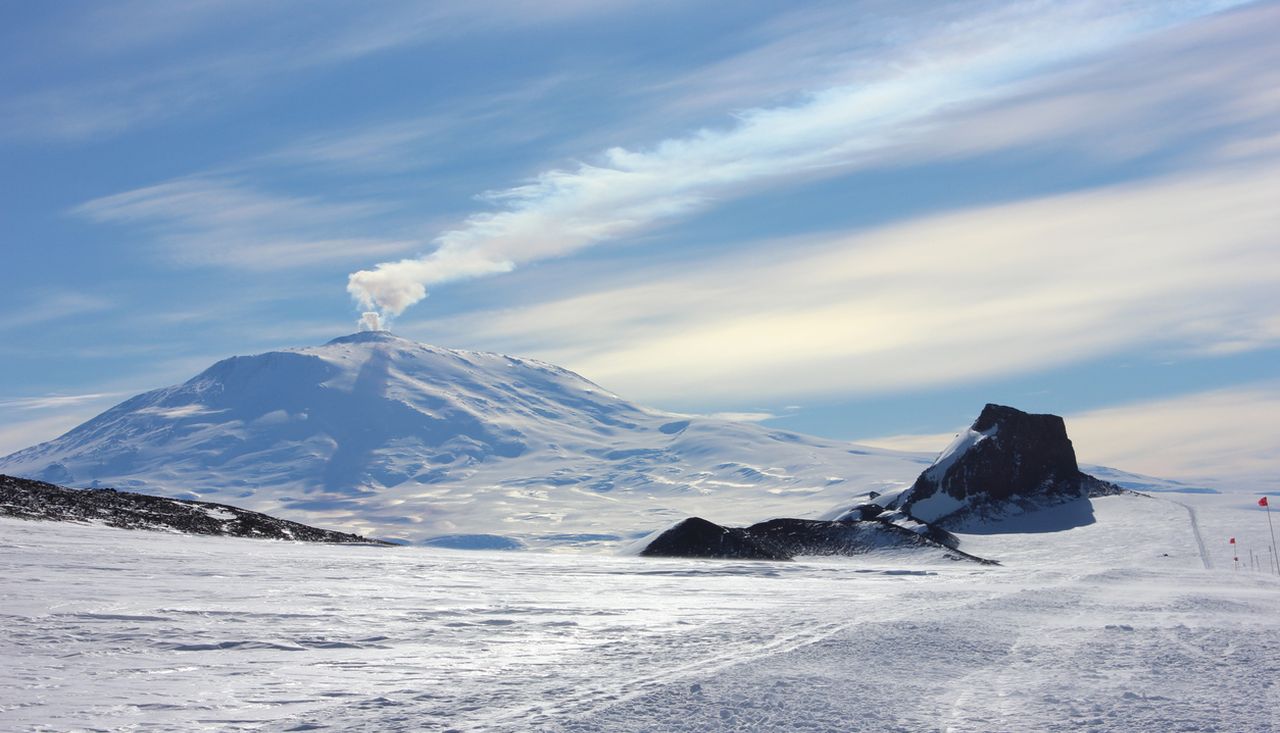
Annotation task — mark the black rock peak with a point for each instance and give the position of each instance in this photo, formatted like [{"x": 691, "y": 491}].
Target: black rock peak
[
  {"x": 1007, "y": 455},
  {"x": 1020, "y": 454}
]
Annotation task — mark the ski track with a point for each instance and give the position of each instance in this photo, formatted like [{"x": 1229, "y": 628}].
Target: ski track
[
  {"x": 1059, "y": 658},
  {"x": 596, "y": 700}
]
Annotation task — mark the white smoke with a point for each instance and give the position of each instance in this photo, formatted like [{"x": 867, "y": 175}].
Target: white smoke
[
  {"x": 370, "y": 321},
  {"x": 393, "y": 286},
  {"x": 562, "y": 211}
]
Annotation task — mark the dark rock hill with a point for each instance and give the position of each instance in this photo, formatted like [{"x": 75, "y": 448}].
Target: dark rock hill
[
  {"x": 1008, "y": 458},
  {"x": 27, "y": 499},
  {"x": 784, "y": 539},
  {"x": 798, "y": 537},
  {"x": 696, "y": 537},
  {"x": 1007, "y": 466}
]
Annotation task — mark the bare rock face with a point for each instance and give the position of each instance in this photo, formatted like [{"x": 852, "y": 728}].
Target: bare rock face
[
  {"x": 696, "y": 537},
  {"x": 784, "y": 539},
  {"x": 1007, "y": 458},
  {"x": 28, "y": 499},
  {"x": 817, "y": 537}
]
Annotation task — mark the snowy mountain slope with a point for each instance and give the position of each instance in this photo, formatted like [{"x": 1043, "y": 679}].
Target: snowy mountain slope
[{"x": 378, "y": 435}]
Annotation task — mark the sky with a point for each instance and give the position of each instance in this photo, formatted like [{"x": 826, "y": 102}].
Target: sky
[{"x": 861, "y": 220}]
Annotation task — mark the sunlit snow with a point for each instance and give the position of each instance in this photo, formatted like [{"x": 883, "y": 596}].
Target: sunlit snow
[{"x": 1123, "y": 624}]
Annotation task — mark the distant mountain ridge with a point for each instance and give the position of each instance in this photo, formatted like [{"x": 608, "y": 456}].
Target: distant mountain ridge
[{"x": 383, "y": 436}]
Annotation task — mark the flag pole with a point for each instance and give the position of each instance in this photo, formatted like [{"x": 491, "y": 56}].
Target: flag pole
[{"x": 1267, "y": 505}]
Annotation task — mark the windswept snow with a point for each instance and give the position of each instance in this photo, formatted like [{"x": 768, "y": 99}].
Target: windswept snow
[{"x": 1110, "y": 626}]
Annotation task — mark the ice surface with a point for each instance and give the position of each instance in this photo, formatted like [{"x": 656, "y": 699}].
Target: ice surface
[{"x": 1113, "y": 626}]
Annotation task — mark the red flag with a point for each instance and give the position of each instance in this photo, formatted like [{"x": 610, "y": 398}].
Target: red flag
[
  {"x": 1233, "y": 540},
  {"x": 1262, "y": 501}
]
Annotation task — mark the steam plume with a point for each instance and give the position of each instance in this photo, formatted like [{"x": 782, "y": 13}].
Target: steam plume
[
  {"x": 838, "y": 129},
  {"x": 370, "y": 321}
]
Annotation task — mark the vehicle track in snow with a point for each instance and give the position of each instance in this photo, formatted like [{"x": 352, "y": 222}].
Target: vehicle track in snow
[
  {"x": 1195, "y": 530},
  {"x": 594, "y": 700}
]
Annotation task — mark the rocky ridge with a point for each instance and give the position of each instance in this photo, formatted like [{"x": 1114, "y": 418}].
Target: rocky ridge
[{"x": 36, "y": 500}]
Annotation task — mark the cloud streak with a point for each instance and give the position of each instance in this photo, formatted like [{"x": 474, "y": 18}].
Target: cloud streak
[
  {"x": 217, "y": 221},
  {"x": 1223, "y": 438},
  {"x": 50, "y": 402},
  {"x": 165, "y": 59},
  {"x": 1185, "y": 264},
  {"x": 629, "y": 191},
  {"x": 45, "y": 306}
]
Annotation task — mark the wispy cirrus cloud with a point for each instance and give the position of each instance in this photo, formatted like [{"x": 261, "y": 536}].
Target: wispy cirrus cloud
[
  {"x": 23, "y": 434},
  {"x": 56, "y": 401},
  {"x": 809, "y": 46},
  {"x": 45, "y": 305},
  {"x": 1185, "y": 263},
  {"x": 136, "y": 63},
  {"x": 1224, "y": 438},
  {"x": 25, "y": 421},
  {"x": 1206, "y": 89},
  {"x": 626, "y": 192},
  {"x": 224, "y": 222},
  {"x": 418, "y": 142}
]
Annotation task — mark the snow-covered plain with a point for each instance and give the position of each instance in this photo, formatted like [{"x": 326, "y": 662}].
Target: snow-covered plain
[{"x": 1122, "y": 624}]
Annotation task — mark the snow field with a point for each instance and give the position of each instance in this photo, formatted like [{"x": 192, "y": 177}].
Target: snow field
[{"x": 115, "y": 630}]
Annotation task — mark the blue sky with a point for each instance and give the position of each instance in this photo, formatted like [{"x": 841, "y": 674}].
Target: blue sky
[{"x": 863, "y": 219}]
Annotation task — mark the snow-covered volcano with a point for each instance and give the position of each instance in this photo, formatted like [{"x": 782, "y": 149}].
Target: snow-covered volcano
[{"x": 380, "y": 435}]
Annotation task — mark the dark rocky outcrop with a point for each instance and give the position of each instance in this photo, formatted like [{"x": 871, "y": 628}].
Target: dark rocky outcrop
[
  {"x": 821, "y": 537},
  {"x": 27, "y": 499},
  {"x": 1020, "y": 454},
  {"x": 696, "y": 537},
  {"x": 784, "y": 539},
  {"x": 1008, "y": 460},
  {"x": 1008, "y": 466}
]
